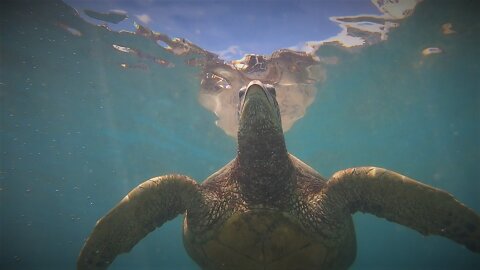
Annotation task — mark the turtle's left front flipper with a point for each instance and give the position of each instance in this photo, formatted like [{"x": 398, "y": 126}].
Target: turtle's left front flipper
[
  {"x": 405, "y": 201},
  {"x": 146, "y": 207}
]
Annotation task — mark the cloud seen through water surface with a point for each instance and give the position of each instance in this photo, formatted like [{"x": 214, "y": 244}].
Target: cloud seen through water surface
[
  {"x": 230, "y": 53},
  {"x": 144, "y": 18}
]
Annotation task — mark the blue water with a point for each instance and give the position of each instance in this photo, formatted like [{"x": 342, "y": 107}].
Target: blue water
[{"x": 78, "y": 132}]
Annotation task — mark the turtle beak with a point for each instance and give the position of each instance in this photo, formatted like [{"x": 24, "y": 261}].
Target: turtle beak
[{"x": 258, "y": 104}]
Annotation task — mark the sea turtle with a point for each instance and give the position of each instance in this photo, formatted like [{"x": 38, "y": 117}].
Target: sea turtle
[{"x": 266, "y": 209}]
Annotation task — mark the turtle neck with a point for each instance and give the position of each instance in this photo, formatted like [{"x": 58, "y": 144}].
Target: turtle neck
[{"x": 265, "y": 165}]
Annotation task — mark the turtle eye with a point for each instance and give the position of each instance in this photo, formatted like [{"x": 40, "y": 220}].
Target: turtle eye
[
  {"x": 241, "y": 92},
  {"x": 272, "y": 91}
]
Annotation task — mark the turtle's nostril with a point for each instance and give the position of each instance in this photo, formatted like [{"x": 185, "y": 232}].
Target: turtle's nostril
[{"x": 256, "y": 90}]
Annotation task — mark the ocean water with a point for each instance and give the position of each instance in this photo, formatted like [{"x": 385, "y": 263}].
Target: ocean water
[{"x": 78, "y": 131}]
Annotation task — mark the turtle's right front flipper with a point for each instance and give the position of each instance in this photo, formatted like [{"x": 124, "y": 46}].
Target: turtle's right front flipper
[{"x": 146, "y": 207}]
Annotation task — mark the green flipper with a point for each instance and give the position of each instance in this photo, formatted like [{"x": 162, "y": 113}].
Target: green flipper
[
  {"x": 405, "y": 201},
  {"x": 146, "y": 207}
]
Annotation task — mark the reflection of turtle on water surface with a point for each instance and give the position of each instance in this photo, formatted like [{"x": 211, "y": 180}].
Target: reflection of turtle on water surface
[
  {"x": 294, "y": 75},
  {"x": 268, "y": 210}
]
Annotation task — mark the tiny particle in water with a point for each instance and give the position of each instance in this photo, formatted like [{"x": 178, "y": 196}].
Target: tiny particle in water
[
  {"x": 163, "y": 62},
  {"x": 447, "y": 29},
  {"x": 123, "y": 49},
  {"x": 431, "y": 50}
]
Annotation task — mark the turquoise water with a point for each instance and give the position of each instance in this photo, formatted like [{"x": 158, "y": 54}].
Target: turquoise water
[{"x": 78, "y": 131}]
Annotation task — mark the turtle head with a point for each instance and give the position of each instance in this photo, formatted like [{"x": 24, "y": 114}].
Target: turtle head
[{"x": 258, "y": 111}]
